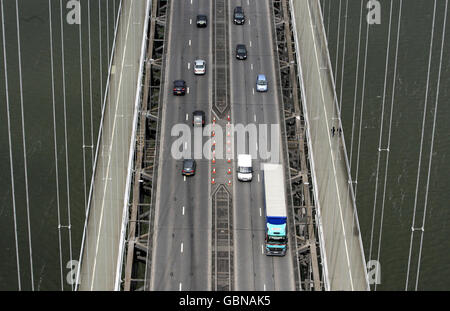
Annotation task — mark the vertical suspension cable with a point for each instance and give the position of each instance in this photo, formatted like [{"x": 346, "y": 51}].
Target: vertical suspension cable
[
  {"x": 24, "y": 145},
  {"x": 82, "y": 125},
  {"x": 389, "y": 141},
  {"x": 362, "y": 109},
  {"x": 69, "y": 225},
  {"x": 356, "y": 85},
  {"x": 11, "y": 164},
  {"x": 55, "y": 142},
  {"x": 337, "y": 41},
  {"x": 381, "y": 129},
  {"x": 100, "y": 49},
  {"x": 343, "y": 57},
  {"x": 90, "y": 84},
  {"x": 421, "y": 142},
  {"x": 432, "y": 144}
]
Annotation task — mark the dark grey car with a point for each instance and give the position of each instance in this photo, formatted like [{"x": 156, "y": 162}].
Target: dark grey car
[
  {"x": 189, "y": 166},
  {"x": 241, "y": 51}
]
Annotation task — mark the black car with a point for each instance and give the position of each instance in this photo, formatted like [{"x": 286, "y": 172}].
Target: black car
[
  {"x": 202, "y": 20},
  {"x": 179, "y": 87},
  {"x": 198, "y": 118},
  {"x": 188, "y": 167},
  {"x": 239, "y": 17},
  {"x": 241, "y": 51}
]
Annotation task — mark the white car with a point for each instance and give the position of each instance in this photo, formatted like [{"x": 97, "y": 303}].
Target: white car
[
  {"x": 199, "y": 67},
  {"x": 261, "y": 83}
]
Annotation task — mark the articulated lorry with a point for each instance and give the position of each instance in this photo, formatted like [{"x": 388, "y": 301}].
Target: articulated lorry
[{"x": 275, "y": 210}]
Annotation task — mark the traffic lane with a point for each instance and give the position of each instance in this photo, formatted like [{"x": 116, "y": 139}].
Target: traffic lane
[
  {"x": 243, "y": 235},
  {"x": 284, "y": 266},
  {"x": 281, "y": 266},
  {"x": 262, "y": 277},
  {"x": 196, "y": 264},
  {"x": 175, "y": 110}
]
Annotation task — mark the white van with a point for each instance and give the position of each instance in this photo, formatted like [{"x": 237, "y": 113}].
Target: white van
[{"x": 245, "y": 167}]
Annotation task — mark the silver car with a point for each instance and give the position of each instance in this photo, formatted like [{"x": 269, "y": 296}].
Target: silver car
[
  {"x": 199, "y": 67},
  {"x": 261, "y": 83}
]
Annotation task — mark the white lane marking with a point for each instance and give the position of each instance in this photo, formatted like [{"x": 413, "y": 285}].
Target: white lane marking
[
  {"x": 110, "y": 149},
  {"x": 183, "y": 210},
  {"x": 248, "y": 2},
  {"x": 190, "y": 42},
  {"x": 255, "y": 118},
  {"x": 253, "y": 91},
  {"x": 188, "y": 90},
  {"x": 190, "y": 21},
  {"x": 181, "y": 285},
  {"x": 256, "y": 146},
  {"x": 262, "y": 248},
  {"x": 185, "y": 145},
  {"x": 191, "y": 1},
  {"x": 260, "y": 212},
  {"x": 187, "y": 116},
  {"x": 184, "y": 178},
  {"x": 250, "y": 43},
  {"x": 249, "y": 22},
  {"x": 251, "y": 66},
  {"x": 264, "y": 287},
  {"x": 181, "y": 246},
  {"x": 189, "y": 65},
  {"x": 258, "y": 177}
]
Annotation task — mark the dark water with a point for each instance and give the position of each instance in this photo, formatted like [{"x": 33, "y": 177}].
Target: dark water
[
  {"x": 390, "y": 241},
  {"x": 73, "y": 177}
]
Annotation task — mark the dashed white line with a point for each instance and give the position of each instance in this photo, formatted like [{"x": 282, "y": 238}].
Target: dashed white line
[
  {"x": 190, "y": 21},
  {"x": 249, "y": 22},
  {"x": 181, "y": 286},
  {"x": 251, "y": 66},
  {"x": 253, "y": 91},
  {"x": 258, "y": 178},
  {"x": 262, "y": 248},
  {"x": 188, "y": 90},
  {"x": 190, "y": 42},
  {"x": 264, "y": 287},
  {"x": 254, "y": 117},
  {"x": 181, "y": 246},
  {"x": 189, "y": 65},
  {"x": 184, "y": 178},
  {"x": 256, "y": 146},
  {"x": 260, "y": 212},
  {"x": 187, "y": 116},
  {"x": 250, "y": 43},
  {"x": 183, "y": 210}
]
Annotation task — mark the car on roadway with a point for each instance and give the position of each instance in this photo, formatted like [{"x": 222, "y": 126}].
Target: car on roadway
[
  {"x": 202, "y": 21},
  {"x": 241, "y": 51},
  {"x": 189, "y": 166},
  {"x": 179, "y": 87},
  {"x": 199, "y": 67},
  {"x": 198, "y": 118},
  {"x": 239, "y": 17},
  {"x": 261, "y": 83}
]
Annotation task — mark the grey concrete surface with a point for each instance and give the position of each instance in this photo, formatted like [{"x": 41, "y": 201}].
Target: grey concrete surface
[
  {"x": 102, "y": 243},
  {"x": 181, "y": 243},
  {"x": 341, "y": 244},
  {"x": 253, "y": 269}
]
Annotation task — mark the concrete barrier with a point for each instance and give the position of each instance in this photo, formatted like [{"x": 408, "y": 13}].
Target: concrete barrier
[{"x": 342, "y": 252}]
